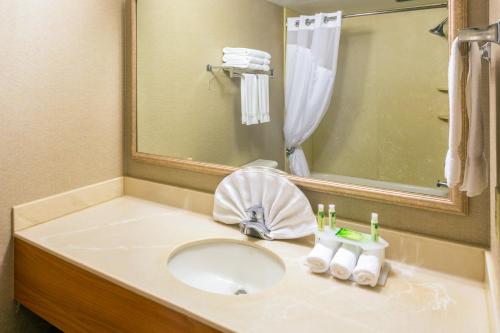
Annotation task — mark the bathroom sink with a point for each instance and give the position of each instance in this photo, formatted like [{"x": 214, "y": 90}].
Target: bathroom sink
[{"x": 225, "y": 266}]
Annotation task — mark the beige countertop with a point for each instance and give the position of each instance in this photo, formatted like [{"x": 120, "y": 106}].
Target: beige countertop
[{"x": 128, "y": 240}]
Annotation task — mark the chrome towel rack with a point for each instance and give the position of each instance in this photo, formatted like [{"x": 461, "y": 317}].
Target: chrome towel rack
[{"x": 235, "y": 72}]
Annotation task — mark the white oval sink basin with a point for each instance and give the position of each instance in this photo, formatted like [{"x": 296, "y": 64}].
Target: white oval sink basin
[{"x": 225, "y": 266}]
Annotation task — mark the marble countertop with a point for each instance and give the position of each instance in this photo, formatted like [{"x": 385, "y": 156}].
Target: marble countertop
[{"x": 128, "y": 240}]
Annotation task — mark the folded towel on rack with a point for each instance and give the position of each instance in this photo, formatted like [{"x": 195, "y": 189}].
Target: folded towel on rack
[
  {"x": 263, "y": 98},
  {"x": 236, "y": 58},
  {"x": 344, "y": 261},
  {"x": 249, "y": 99},
  {"x": 246, "y": 52},
  {"x": 476, "y": 165},
  {"x": 367, "y": 270},
  {"x": 254, "y": 67},
  {"x": 452, "y": 167}
]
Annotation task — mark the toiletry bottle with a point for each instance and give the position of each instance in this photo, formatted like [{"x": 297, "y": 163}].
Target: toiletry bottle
[
  {"x": 321, "y": 217},
  {"x": 332, "y": 217},
  {"x": 374, "y": 227}
]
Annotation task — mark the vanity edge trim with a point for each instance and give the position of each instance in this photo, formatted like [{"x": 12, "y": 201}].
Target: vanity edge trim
[
  {"x": 45, "y": 209},
  {"x": 179, "y": 197}
]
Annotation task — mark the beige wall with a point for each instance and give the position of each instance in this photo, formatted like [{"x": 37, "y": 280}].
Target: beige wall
[
  {"x": 182, "y": 111},
  {"x": 472, "y": 229},
  {"x": 495, "y": 153},
  {"x": 383, "y": 121},
  {"x": 61, "y": 69}
]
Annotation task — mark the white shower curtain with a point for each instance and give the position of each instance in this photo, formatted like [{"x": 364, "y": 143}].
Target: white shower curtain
[{"x": 311, "y": 63}]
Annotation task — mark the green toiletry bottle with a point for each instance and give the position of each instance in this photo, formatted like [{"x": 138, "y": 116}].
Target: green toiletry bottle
[
  {"x": 374, "y": 227},
  {"x": 321, "y": 217},
  {"x": 332, "y": 217}
]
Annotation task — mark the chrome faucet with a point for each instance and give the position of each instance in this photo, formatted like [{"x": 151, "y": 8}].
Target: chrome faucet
[{"x": 255, "y": 225}]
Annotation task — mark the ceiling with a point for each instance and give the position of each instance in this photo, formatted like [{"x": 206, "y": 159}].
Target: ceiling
[{"x": 348, "y": 6}]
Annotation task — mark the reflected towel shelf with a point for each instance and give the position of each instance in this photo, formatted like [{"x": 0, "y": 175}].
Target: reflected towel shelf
[{"x": 237, "y": 72}]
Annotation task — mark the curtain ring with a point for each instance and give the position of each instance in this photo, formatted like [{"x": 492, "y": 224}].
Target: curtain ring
[{"x": 290, "y": 151}]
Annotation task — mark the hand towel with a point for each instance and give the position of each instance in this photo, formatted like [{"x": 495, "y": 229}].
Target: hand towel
[
  {"x": 244, "y": 105},
  {"x": 263, "y": 98},
  {"x": 367, "y": 270},
  {"x": 245, "y": 59},
  {"x": 250, "y": 99},
  {"x": 452, "y": 167},
  {"x": 246, "y": 52},
  {"x": 344, "y": 261},
  {"x": 320, "y": 257},
  {"x": 245, "y": 65},
  {"x": 476, "y": 165}
]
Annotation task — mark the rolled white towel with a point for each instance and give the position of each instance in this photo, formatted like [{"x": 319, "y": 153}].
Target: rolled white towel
[
  {"x": 344, "y": 261},
  {"x": 320, "y": 257},
  {"x": 246, "y": 52},
  {"x": 245, "y": 59},
  {"x": 367, "y": 271},
  {"x": 243, "y": 66}
]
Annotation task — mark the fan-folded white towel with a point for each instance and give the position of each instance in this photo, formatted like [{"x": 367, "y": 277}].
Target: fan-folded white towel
[
  {"x": 320, "y": 257},
  {"x": 246, "y": 52},
  {"x": 367, "y": 271},
  {"x": 263, "y": 96},
  {"x": 235, "y": 58},
  {"x": 476, "y": 165},
  {"x": 344, "y": 261},
  {"x": 452, "y": 167},
  {"x": 246, "y": 65},
  {"x": 287, "y": 212}
]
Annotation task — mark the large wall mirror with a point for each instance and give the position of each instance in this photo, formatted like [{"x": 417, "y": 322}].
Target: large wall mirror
[{"x": 373, "y": 124}]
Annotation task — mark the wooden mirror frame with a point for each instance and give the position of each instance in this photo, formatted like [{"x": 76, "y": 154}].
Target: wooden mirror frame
[{"x": 455, "y": 203}]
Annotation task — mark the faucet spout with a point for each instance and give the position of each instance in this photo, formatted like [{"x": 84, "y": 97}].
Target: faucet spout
[{"x": 255, "y": 225}]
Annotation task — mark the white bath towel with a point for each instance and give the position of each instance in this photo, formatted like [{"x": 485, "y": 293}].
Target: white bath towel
[
  {"x": 367, "y": 270},
  {"x": 249, "y": 99},
  {"x": 320, "y": 257},
  {"x": 246, "y": 52},
  {"x": 235, "y": 58},
  {"x": 452, "y": 167},
  {"x": 476, "y": 165},
  {"x": 344, "y": 261},
  {"x": 263, "y": 97},
  {"x": 246, "y": 66}
]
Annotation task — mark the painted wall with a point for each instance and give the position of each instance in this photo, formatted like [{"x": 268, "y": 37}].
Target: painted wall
[
  {"x": 186, "y": 112},
  {"x": 472, "y": 229},
  {"x": 61, "y": 101},
  {"x": 382, "y": 123}
]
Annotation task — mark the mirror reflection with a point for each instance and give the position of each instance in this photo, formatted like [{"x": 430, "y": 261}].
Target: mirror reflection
[{"x": 347, "y": 91}]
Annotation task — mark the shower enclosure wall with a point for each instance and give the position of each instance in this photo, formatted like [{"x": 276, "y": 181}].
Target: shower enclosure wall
[{"x": 387, "y": 121}]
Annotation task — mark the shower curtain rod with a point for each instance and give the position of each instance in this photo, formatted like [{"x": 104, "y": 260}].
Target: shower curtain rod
[{"x": 384, "y": 11}]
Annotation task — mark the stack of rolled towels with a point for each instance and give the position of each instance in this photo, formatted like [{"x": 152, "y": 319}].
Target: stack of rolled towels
[
  {"x": 346, "y": 260},
  {"x": 254, "y": 87}
]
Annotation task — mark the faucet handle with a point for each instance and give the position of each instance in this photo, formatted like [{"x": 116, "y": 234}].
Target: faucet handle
[{"x": 256, "y": 213}]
